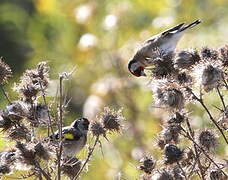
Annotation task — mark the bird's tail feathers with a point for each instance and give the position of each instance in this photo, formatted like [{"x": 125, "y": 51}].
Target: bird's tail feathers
[
  {"x": 173, "y": 29},
  {"x": 193, "y": 24}
]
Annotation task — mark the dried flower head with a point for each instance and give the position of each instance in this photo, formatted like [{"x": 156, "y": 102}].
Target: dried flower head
[
  {"x": 187, "y": 161},
  {"x": 5, "y": 72},
  {"x": 208, "y": 140},
  {"x": 211, "y": 78},
  {"x": 171, "y": 133},
  {"x": 33, "y": 81},
  {"x": 8, "y": 157},
  {"x": 17, "y": 111},
  {"x": 209, "y": 53},
  {"x": 24, "y": 155},
  {"x": 162, "y": 175},
  {"x": 185, "y": 59},
  {"x": 5, "y": 122},
  {"x": 147, "y": 164},
  {"x": 168, "y": 95},
  {"x": 177, "y": 173},
  {"x": 176, "y": 118},
  {"x": 162, "y": 67},
  {"x": 173, "y": 154},
  {"x": 111, "y": 119},
  {"x": 224, "y": 55},
  {"x": 41, "y": 151},
  {"x": 4, "y": 169},
  {"x": 97, "y": 129},
  {"x": 217, "y": 175},
  {"x": 184, "y": 78},
  {"x": 71, "y": 167},
  {"x": 19, "y": 133}
]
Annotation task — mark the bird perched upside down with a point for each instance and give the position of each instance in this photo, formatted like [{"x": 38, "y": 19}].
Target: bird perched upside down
[
  {"x": 74, "y": 137},
  {"x": 162, "y": 44}
]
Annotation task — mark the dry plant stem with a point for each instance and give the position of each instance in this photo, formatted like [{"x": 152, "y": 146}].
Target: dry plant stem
[
  {"x": 60, "y": 124},
  {"x": 49, "y": 117},
  {"x": 200, "y": 100},
  {"x": 5, "y": 94},
  {"x": 221, "y": 97},
  {"x": 91, "y": 150},
  {"x": 191, "y": 133},
  {"x": 37, "y": 165},
  {"x": 182, "y": 171},
  {"x": 202, "y": 150}
]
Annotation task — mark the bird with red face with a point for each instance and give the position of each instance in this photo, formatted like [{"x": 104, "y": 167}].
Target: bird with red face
[{"x": 164, "y": 43}]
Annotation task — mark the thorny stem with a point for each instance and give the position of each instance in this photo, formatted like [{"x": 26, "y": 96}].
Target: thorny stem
[
  {"x": 5, "y": 94},
  {"x": 202, "y": 150},
  {"x": 48, "y": 112},
  {"x": 200, "y": 100},
  {"x": 221, "y": 97},
  {"x": 88, "y": 157},
  {"x": 195, "y": 149},
  {"x": 60, "y": 124}
]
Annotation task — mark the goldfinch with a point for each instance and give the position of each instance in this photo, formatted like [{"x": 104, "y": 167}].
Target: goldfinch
[
  {"x": 74, "y": 137},
  {"x": 163, "y": 44}
]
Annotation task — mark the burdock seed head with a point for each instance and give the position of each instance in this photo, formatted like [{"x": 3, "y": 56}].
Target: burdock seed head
[
  {"x": 211, "y": 77},
  {"x": 147, "y": 165},
  {"x": 173, "y": 154},
  {"x": 5, "y": 72},
  {"x": 41, "y": 151},
  {"x": 208, "y": 140},
  {"x": 111, "y": 119},
  {"x": 209, "y": 53},
  {"x": 162, "y": 175},
  {"x": 171, "y": 133},
  {"x": 97, "y": 129},
  {"x": 217, "y": 175},
  {"x": 4, "y": 169}
]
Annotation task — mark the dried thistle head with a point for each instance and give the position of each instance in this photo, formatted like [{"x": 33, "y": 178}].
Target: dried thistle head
[
  {"x": 147, "y": 164},
  {"x": 97, "y": 129},
  {"x": 17, "y": 111},
  {"x": 19, "y": 133},
  {"x": 24, "y": 155},
  {"x": 217, "y": 175},
  {"x": 184, "y": 78},
  {"x": 162, "y": 175},
  {"x": 177, "y": 173},
  {"x": 71, "y": 167},
  {"x": 162, "y": 67},
  {"x": 5, "y": 72},
  {"x": 209, "y": 53},
  {"x": 176, "y": 118},
  {"x": 168, "y": 95},
  {"x": 5, "y": 122},
  {"x": 211, "y": 77},
  {"x": 173, "y": 154},
  {"x": 33, "y": 81},
  {"x": 111, "y": 119},
  {"x": 208, "y": 140},
  {"x": 171, "y": 133},
  {"x": 224, "y": 55},
  {"x": 186, "y": 59},
  {"x": 42, "y": 151},
  {"x": 4, "y": 169}
]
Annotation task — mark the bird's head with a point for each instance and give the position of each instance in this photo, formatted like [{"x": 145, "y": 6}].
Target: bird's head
[
  {"x": 136, "y": 68},
  {"x": 81, "y": 124}
]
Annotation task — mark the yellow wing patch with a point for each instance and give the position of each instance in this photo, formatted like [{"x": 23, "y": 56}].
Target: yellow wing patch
[{"x": 68, "y": 136}]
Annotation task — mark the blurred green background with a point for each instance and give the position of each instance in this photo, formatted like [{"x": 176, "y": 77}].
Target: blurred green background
[{"x": 98, "y": 37}]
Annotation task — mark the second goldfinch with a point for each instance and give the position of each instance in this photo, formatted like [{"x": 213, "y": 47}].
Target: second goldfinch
[
  {"x": 74, "y": 137},
  {"x": 164, "y": 43}
]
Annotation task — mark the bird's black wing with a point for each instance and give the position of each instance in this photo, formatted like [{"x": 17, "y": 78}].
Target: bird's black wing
[{"x": 69, "y": 134}]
